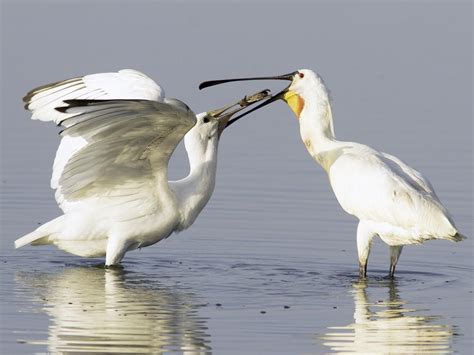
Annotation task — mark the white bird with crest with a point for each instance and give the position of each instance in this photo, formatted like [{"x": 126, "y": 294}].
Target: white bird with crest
[
  {"x": 110, "y": 170},
  {"x": 390, "y": 199}
]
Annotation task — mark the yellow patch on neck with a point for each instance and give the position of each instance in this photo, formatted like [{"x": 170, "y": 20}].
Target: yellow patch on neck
[{"x": 295, "y": 102}]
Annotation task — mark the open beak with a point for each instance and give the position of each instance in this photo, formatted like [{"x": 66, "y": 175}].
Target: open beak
[
  {"x": 225, "y": 113},
  {"x": 273, "y": 98}
]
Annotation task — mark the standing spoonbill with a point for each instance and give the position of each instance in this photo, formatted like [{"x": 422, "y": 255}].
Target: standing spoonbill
[
  {"x": 110, "y": 170},
  {"x": 390, "y": 199}
]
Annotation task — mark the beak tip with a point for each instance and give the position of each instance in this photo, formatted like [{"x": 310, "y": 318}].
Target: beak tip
[{"x": 206, "y": 84}]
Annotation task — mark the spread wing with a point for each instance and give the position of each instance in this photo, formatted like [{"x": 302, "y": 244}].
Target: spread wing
[
  {"x": 128, "y": 146},
  {"x": 42, "y": 101},
  {"x": 125, "y": 84}
]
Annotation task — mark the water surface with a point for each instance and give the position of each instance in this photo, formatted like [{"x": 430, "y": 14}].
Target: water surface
[{"x": 270, "y": 266}]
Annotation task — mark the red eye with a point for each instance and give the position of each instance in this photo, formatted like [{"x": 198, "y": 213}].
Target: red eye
[{"x": 301, "y": 75}]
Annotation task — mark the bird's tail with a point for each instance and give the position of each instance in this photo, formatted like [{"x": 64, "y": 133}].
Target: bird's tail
[
  {"x": 36, "y": 237},
  {"x": 40, "y": 236}
]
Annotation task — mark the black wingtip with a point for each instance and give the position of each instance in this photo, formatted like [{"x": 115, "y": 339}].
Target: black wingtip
[
  {"x": 90, "y": 102},
  {"x": 26, "y": 98},
  {"x": 80, "y": 102},
  {"x": 62, "y": 109},
  {"x": 74, "y": 103}
]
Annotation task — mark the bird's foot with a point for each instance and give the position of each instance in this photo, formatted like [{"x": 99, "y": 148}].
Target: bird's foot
[
  {"x": 113, "y": 267},
  {"x": 391, "y": 273}
]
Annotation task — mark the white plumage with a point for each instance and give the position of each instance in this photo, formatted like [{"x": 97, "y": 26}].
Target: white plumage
[
  {"x": 110, "y": 171},
  {"x": 391, "y": 200},
  {"x": 125, "y": 84},
  {"x": 43, "y": 101}
]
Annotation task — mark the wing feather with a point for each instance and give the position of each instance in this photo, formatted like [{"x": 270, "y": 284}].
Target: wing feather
[
  {"x": 125, "y": 84},
  {"x": 129, "y": 145},
  {"x": 43, "y": 101},
  {"x": 415, "y": 177},
  {"x": 385, "y": 192}
]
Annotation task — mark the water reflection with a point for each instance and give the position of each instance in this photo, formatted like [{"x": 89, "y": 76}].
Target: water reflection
[
  {"x": 96, "y": 310},
  {"x": 386, "y": 327}
]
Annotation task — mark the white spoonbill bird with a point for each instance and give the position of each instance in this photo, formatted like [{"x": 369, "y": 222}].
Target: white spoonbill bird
[
  {"x": 110, "y": 170},
  {"x": 390, "y": 199}
]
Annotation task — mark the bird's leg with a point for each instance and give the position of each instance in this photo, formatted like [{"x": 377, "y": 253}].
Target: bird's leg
[
  {"x": 364, "y": 240},
  {"x": 395, "y": 252},
  {"x": 362, "y": 270},
  {"x": 116, "y": 249}
]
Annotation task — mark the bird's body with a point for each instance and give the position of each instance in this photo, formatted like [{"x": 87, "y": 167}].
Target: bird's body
[
  {"x": 110, "y": 170},
  {"x": 387, "y": 198},
  {"x": 390, "y": 199}
]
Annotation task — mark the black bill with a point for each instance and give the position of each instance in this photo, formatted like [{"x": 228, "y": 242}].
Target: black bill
[{"x": 273, "y": 98}]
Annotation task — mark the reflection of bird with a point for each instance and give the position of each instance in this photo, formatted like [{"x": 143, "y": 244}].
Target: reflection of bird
[
  {"x": 110, "y": 171},
  {"x": 390, "y": 199},
  {"x": 389, "y": 330},
  {"x": 95, "y": 311}
]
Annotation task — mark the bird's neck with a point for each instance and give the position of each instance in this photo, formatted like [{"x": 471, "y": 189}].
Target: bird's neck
[
  {"x": 317, "y": 130},
  {"x": 195, "y": 190}
]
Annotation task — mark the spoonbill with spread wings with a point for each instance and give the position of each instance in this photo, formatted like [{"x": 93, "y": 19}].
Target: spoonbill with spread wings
[{"x": 110, "y": 170}]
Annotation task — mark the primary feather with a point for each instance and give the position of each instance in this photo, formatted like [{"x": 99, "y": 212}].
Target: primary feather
[
  {"x": 44, "y": 101},
  {"x": 125, "y": 84}
]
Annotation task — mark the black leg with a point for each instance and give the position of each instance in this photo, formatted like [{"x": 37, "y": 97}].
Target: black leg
[
  {"x": 395, "y": 252},
  {"x": 362, "y": 270},
  {"x": 392, "y": 271}
]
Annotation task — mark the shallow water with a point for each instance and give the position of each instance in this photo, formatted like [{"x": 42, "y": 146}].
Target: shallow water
[
  {"x": 268, "y": 268},
  {"x": 270, "y": 265}
]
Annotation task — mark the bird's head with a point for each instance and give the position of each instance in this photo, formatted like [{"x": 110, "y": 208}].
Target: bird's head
[
  {"x": 207, "y": 126},
  {"x": 305, "y": 84},
  {"x": 202, "y": 139},
  {"x": 210, "y": 125}
]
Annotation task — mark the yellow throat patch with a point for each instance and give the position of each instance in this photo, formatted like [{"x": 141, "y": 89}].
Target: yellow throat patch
[{"x": 295, "y": 102}]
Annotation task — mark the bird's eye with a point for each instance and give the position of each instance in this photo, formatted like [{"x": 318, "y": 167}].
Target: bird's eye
[
  {"x": 301, "y": 75},
  {"x": 205, "y": 119}
]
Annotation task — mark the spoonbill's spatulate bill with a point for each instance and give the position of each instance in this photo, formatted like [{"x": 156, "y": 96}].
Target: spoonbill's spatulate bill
[
  {"x": 390, "y": 199},
  {"x": 110, "y": 170}
]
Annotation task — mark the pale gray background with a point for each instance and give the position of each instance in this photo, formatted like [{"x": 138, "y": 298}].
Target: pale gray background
[{"x": 400, "y": 73}]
